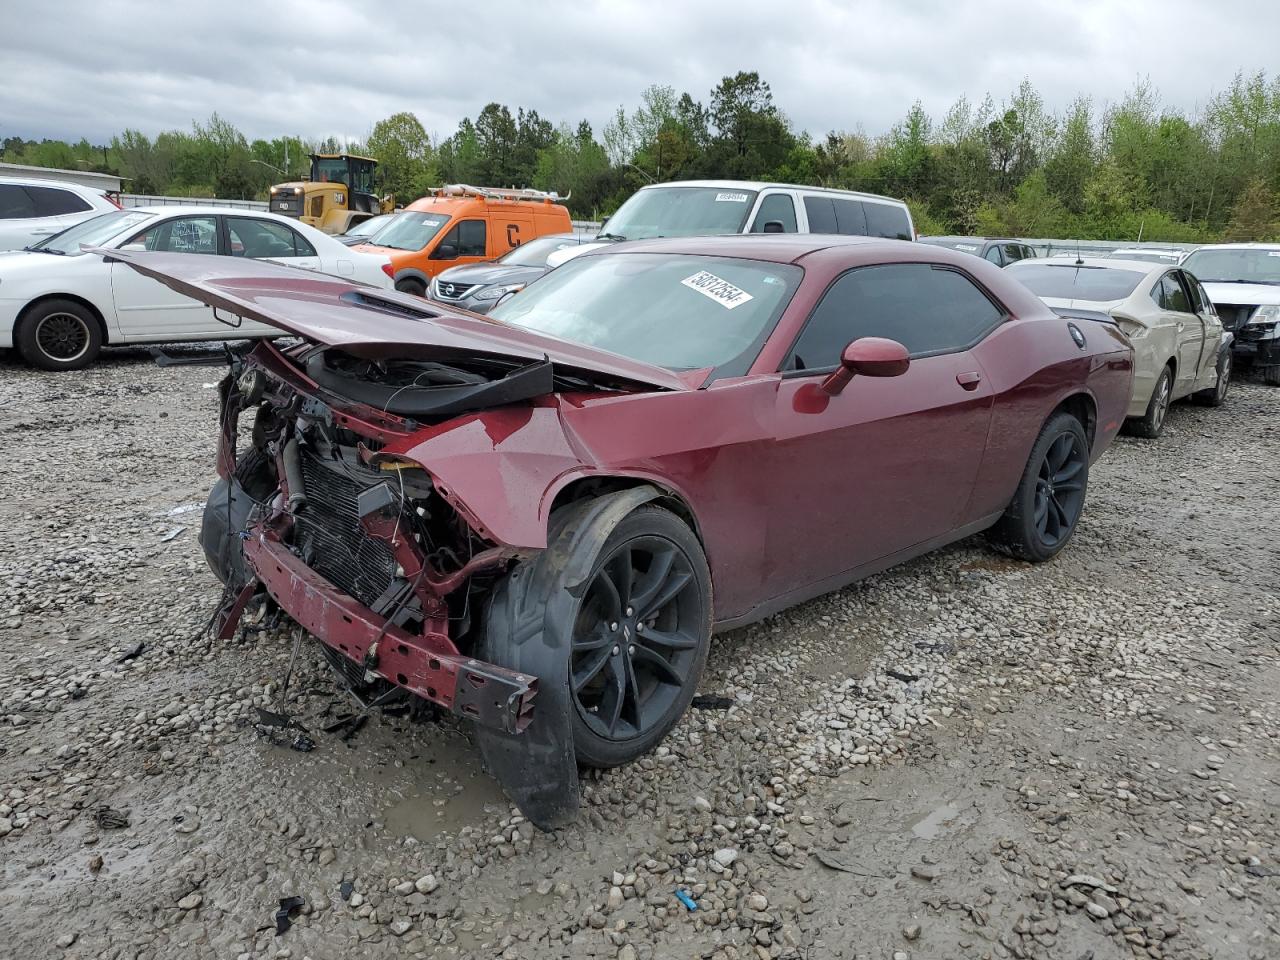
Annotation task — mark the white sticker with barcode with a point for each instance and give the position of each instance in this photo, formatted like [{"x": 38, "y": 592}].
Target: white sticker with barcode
[
  {"x": 966, "y": 246},
  {"x": 731, "y": 198},
  {"x": 1273, "y": 253},
  {"x": 721, "y": 291}
]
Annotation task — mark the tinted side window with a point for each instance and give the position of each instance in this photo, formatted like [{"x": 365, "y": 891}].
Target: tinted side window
[
  {"x": 1012, "y": 252},
  {"x": 471, "y": 238},
  {"x": 15, "y": 204},
  {"x": 1172, "y": 296},
  {"x": 822, "y": 215},
  {"x": 928, "y": 309},
  {"x": 993, "y": 254},
  {"x": 1203, "y": 303},
  {"x": 850, "y": 218},
  {"x": 776, "y": 206},
  {"x": 887, "y": 220},
  {"x": 52, "y": 202}
]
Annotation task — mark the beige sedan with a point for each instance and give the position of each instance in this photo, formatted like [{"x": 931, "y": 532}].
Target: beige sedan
[{"x": 1179, "y": 347}]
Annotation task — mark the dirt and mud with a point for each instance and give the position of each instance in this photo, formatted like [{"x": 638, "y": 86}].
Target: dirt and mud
[{"x": 963, "y": 757}]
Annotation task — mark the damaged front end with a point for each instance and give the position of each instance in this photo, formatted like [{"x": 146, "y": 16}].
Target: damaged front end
[{"x": 357, "y": 545}]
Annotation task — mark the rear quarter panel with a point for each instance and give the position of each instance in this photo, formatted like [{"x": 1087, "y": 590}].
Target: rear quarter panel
[{"x": 1034, "y": 366}]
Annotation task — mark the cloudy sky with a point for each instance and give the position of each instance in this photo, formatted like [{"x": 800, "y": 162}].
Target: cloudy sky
[{"x": 318, "y": 67}]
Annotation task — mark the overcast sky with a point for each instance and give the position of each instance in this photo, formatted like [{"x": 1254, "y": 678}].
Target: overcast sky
[{"x": 318, "y": 67}]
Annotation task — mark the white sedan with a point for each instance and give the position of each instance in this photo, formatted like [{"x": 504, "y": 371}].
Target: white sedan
[
  {"x": 1179, "y": 346},
  {"x": 60, "y": 304}
]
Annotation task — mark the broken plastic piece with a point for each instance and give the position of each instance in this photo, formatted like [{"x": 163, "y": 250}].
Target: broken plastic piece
[
  {"x": 345, "y": 889},
  {"x": 683, "y": 896},
  {"x": 707, "y": 702},
  {"x": 133, "y": 651},
  {"x": 904, "y": 677},
  {"x": 302, "y": 743},
  {"x": 108, "y": 819},
  {"x": 289, "y": 907}
]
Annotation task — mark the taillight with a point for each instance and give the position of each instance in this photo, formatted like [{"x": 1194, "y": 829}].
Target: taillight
[
  {"x": 113, "y": 201},
  {"x": 389, "y": 270}
]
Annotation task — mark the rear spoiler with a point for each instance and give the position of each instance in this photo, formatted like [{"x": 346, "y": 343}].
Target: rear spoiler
[{"x": 1072, "y": 313}]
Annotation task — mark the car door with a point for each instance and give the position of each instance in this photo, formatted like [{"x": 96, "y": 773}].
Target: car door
[
  {"x": 466, "y": 242},
  {"x": 888, "y": 463},
  {"x": 1188, "y": 328},
  {"x": 146, "y": 309},
  {"x": 260, "y": 239},
  {"x": 1208, "y": 315},
  {"x": 508, "y": 231}
]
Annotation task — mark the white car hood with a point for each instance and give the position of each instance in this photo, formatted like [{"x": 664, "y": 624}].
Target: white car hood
[
  {"x": 1243, "y": 294},
  {"x": 21, "y": 263},
  {"x": 568, "y": 253}
]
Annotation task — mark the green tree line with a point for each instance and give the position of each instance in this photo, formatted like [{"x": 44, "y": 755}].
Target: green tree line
[{"x": 1134, "y": 169}]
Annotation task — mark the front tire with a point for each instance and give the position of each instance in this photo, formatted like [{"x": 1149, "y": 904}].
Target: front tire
[
  {"x": 415, "y": 287},
  {"x": 640, "y": 638},
  {"x": 59, "y": 334},
  {"x": 1043, "y": 514},
  {"x": 1151, "y": 424}
]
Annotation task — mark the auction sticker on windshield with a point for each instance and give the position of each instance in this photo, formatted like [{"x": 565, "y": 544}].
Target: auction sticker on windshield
[
  {"x": 731, "y": 198},
  {"x": 721, "y": 291}
]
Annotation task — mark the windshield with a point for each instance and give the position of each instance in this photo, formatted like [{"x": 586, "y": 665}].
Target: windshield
[
  {"x": 1243, "y": 264},
  {"x": 1144, "y": 255},
  {"x": 94, "y": 232},
  {"x": 677, "y": 311},
  {"x": 373, "y": 225},
  {"x": 680, "y": 212},
  {"x": 412, "y": 231},
  {"x": 967, "y": 244},
  {"x": 329, "y": 169},
  {"x": 1069, "y": 282},
  {"x": 535, "y": 252}
]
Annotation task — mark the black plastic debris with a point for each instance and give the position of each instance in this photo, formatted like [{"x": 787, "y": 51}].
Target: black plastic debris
[
  {"x": 302, "y": 743},
  {"x": 109, "y": 819},
  {"x": 345, "y": 889},
  {"x": 709, "y": 702},
  {"x": 289, "y": 907},
  {"x": 904, "y": 677},
  {"x": 349, "y": 725},
  {"x": 132, "y": 652},
  {"x": 269, "y": 718}
]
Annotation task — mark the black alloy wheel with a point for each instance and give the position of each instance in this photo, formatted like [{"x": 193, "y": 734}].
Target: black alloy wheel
[
  {"x": 636, "y": 639},
  {"x": 1059, "y": 497},
  {"x": 58, "y": 334},
  {"x": 1049, "y": 501}
]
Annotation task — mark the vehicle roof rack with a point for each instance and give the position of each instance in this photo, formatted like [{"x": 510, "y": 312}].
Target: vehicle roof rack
[{"x": 498, "y": 193}]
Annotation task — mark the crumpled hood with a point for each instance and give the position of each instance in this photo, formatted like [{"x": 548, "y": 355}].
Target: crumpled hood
[
  {"x": 367, "y": 321},
  {"x": 1243, "y": 294}
]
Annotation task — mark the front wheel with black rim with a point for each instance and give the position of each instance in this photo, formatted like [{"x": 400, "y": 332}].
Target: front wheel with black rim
[
  {"x": 1050, "y": 497},
  {"x": 1216, "y": 395},
  {"x": 1151, "y": 424},
  {"x": 640, "y": 638},
  {"x": 59, "y": 335}
]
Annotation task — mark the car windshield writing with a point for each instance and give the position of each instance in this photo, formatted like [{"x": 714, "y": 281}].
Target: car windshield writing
[
  {"x": 412, "y": 231},
  {"x": 94, "y": 232},
  {"x": 1069, "y": 282},
  {"x": 676, "y": 311},
  {"x": 681, "y": 212},
  {"x": 1251, "y": 266},
  {"x": 535, "y": 252}
]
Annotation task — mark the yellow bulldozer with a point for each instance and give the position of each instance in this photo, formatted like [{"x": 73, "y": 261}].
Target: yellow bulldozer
[{"x": 339, "y": 193}]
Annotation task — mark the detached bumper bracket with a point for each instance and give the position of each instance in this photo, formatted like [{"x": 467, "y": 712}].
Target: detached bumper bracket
[{"x": 428, "y": 666}]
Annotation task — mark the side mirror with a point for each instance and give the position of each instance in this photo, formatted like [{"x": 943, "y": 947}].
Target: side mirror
[
  {"x": 868, "y": 357},
  {"x": 446, "y": 251},
  {"x": 774, "y": 226}
]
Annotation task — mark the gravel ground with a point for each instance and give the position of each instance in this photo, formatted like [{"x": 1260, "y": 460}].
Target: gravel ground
[{"x": 963, "y": 757}]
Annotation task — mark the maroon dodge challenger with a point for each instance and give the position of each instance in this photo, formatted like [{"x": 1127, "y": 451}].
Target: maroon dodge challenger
[{"x": 537, "y": 519}]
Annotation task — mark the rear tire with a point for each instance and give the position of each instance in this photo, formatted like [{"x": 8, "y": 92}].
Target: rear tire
[
  {"x": 59, "y": 334},
  {"x": 1151, "y": 424},
  {"x": 1049, "y": 501},
  {"x": 1271, "y": 376},
  {"x": 1216, "y": 395},
  {"x": 414, "y": 287}
]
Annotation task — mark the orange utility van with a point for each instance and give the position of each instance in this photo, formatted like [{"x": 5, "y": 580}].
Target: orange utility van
[{"x": 459, "y": 224}]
